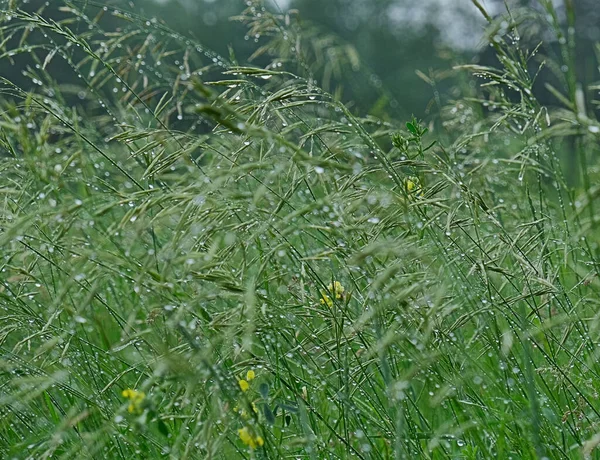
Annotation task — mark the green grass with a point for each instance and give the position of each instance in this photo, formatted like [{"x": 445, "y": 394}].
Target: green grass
[{"x": 170, "y": 219}]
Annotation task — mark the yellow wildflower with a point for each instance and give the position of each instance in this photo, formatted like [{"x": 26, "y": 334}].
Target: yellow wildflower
[
  {"x": 413, "y": 186},
  {"x": 326, "y": 300},
  {"x": 243, "y": 413},
  {"x": 135, "y": 400},
  {"x": 250, "y": 375},
  {"x": 244, "y": 385},
  {"x": 250, "y": 439},
  {"x": 336, "y": 289}
]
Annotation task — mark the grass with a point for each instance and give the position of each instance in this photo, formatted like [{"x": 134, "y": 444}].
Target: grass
[{"x": 172, "y": 219}]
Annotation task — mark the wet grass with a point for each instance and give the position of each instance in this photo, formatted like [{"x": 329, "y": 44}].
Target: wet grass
[{"x": 171, "y": 220}]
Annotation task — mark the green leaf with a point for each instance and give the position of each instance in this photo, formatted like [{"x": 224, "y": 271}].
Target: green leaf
[
  {"x": 292, "y": 409},
  {"x": 163, "y": 428},
  {"x": 263, "y": 389},
  {"x": 269, "y": 416}
]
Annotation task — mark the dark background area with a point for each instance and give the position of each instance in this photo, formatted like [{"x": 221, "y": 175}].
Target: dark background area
[
  {"x": 395, "y": 39},
  {"x": 407, "y": 49}
]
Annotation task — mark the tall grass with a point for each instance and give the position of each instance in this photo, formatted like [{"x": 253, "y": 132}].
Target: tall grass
[{"x": 172, "y": 219}]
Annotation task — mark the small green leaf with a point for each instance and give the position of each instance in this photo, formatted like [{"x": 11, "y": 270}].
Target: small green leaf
[
  {"x": 269, "y": 416},
  {"x": 292, "y": 409},
  {"x": 411, "y": 128},
  {"x": 263, "y": 389},
  {"x": 163, "y": 428}
]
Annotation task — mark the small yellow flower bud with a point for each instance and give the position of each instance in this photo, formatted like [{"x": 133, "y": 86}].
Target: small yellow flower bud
[
  {"x": 250, "y": 439},
  {"x": 135, "y": 400},
  {"x": 244, "y": 385}
]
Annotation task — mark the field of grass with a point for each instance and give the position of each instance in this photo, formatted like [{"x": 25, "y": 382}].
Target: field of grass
[{"x": 201, "y": 258}]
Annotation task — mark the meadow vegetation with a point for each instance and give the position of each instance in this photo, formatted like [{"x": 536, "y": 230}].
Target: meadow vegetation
[{"x": 206, "y": 258}]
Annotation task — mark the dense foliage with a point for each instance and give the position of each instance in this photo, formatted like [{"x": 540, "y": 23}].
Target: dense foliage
[{"x": 205, "y": 259}]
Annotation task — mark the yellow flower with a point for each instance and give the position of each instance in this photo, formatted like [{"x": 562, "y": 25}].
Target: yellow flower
[
  {"x": 244, "y": 414},
  {"x": 326, "y": 300},
  {"x": 250, "y": 375},
  {"x": 250, "y": 439},
  {"x": 135, "y": 400},
  {"x": 336, "y": 289},
  {"x": 244, "y": 385},
  {"x": 413, "y": 186}
]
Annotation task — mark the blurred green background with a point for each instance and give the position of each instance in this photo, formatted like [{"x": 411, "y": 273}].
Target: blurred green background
[
  {"x": 394, "y": 39},
  {"x": 407, "y": 48}
]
